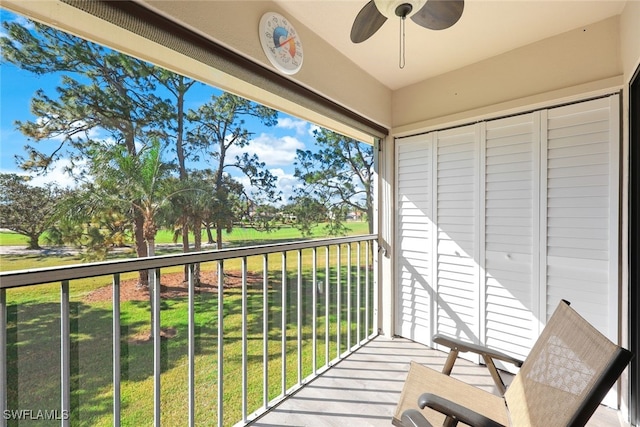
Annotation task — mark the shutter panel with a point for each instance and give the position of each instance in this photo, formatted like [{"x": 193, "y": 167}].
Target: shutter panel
[
  {"x": 457, "y": 269},
  {"x": 414, "y": 238},
  {"x": 511, "y": 233},
  {"x": 499, "y": 220},
  {"x": 582, "y": 200}
]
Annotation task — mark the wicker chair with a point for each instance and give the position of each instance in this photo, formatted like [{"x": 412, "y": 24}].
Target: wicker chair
[{"x": 568, "y": 372}]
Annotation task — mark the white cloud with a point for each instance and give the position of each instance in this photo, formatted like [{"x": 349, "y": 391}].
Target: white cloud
[
  {"x": 271, "y": 150},
  {"x": 24, "y": 22},
  {"x": 300, "y": 126},
  {"x": 288, "y": 123},
  {"x": 92, "y": 133},
  {"x": 286, "y": 184},
  {"x": 18, "y": 19},
  {"x": 59, "y": 174},
  {"x": 312, "y": 129}
]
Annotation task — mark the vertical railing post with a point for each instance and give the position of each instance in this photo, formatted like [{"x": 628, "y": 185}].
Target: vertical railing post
[
  {"x": 376, "y": 296},
  {"x": 220, "y": 344},
  {"x": 265, "y": 331},
  {"x": 154, "y": 275},
  {"x": 115, "y": 296},
  {"x": 327, "y": 301},
  {"x": 244, "y": 339},
  {"x": 3, "y": 352},
  {"x": 349, "y": 296},
  {"x": 299, "y": 314},
  {"x": 366, "y": 288},
  {"x": 338, "y": 299},
  {"x": 358, "y": 295},
  {"x": 191, "y": 346},
  {"x": 284, "y": 324},
  {"x": 65, "y": 359},
  {"x": 314, "y": 314}
]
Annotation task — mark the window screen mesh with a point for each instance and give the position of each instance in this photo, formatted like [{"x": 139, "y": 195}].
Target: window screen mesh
[{"x": 148, "y": 24}]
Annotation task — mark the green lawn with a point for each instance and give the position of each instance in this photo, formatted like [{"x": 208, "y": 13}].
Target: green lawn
[
  {"x": 33, "y": 342},
  {"x": 238, "y": 236}
]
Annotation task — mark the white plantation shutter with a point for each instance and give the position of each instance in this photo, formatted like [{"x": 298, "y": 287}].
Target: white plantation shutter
[
  {"x": 511, "y": 233},
  {"x": 499, "y": 220},
  {"x": 582, "y": 210},
  {"x": 456, "y": 216},
  {"x": 415, "y": 231}
]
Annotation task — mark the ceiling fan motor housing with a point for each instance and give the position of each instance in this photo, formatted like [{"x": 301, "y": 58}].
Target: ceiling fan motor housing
[{"x": 395, "y": 8}]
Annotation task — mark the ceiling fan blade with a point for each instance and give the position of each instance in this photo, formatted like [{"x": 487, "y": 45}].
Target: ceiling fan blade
[
  {"x": 439, "y": 14},
  {"x": 368, "y": 21}
]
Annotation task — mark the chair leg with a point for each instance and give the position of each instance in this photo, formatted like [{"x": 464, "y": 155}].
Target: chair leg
[
  {"x": 446, "y": 369},
  {"x": 451, "y": 360},
  {"x": 413, "y": 418},
  {"x": 497, "y": 379},
  {"x": 450, "y": 422}
]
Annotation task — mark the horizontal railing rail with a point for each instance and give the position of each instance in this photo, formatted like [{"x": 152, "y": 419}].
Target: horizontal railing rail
[
  {"x": 280, "y": 324},
  {"x": 27, "y": 277}
]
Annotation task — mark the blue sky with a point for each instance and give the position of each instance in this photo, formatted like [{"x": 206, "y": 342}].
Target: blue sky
[{"x": 276, "y": 146}]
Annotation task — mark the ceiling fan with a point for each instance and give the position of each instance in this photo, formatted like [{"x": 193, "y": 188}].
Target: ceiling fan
[{"x": 431, "y": 14}]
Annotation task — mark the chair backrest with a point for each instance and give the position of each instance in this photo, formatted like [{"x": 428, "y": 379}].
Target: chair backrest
[{"x": 568, "y": 372}]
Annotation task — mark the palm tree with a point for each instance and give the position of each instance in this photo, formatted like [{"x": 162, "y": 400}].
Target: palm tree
[{"x": 139, "y": 183}]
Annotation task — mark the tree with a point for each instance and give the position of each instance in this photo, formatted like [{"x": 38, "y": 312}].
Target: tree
[
  {"x": 100, "y": 91},
  {"x": 224, "y": 204},
  {"x": 105, "y": 92},
  {"x": 176, "y": 129},
  {"x": 26, "y": 209},
  {"x": 339, "y": 176},
  {"x": 139, "y": 182},
  {"x": 219, "y": 126},
  {"x": 96, "y": 229},
  {"x": 263, "y": 217},
  {"x": 306, "y": 212},
  {"x": 194, "y": 200}
]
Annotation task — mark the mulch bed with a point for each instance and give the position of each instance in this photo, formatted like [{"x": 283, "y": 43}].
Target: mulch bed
[{"x": 173, "y": 286}]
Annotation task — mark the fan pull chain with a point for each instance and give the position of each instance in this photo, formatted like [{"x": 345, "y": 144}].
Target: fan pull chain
[{"x": 402, "y": 59}]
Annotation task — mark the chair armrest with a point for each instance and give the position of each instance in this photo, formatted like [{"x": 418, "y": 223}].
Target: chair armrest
[
  {"x": 464, "y": 347},
  {"x": 455, "y": 411}
]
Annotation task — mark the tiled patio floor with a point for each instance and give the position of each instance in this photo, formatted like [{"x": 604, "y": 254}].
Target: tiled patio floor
[{"x": 363, "y": 389}]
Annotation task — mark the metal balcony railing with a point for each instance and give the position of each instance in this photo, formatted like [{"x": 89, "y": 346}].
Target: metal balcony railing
[{"x": 220, "y": 354}]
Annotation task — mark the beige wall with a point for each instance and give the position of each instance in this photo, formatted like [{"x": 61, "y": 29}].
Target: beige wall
[
  {"x": 583, "y": 60},
  {"x": 630, "y": 38}
]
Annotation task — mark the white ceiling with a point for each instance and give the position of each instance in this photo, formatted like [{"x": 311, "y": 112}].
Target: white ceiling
[{"x": 486, "y": 28}]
